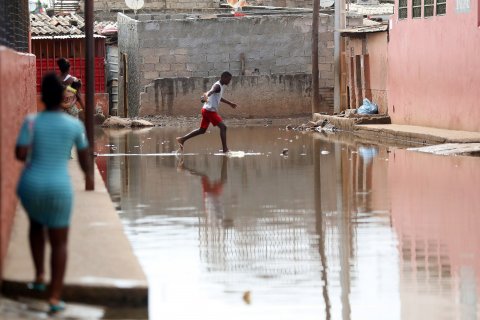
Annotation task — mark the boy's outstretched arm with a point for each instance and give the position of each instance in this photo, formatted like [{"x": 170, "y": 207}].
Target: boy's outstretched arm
[{"x": 233, "y": 105}]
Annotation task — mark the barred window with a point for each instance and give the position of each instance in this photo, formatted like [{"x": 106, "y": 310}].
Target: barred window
[
  {"x": 416, "y": 8},
  {"x": 402, "y": 9},
  {"x": 428, "y": 7},
  {"x": 441, "y": 7}
]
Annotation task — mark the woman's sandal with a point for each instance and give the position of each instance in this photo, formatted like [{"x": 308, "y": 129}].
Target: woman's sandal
[
  {"x": 58, "y": 307},
  {"x": 37, "y": 286}
]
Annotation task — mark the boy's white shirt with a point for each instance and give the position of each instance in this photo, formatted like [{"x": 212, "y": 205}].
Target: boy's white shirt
[{"x": 213, "y": 101}]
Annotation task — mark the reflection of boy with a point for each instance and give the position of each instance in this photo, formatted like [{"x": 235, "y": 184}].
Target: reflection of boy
[
  {"x": 212, "y": 192},
  {"x": 210, "y": 114}
]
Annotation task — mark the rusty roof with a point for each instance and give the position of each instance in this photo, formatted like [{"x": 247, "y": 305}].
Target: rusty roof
[
  {"x": 371, "y": 9},
  {"x": 369, "y": 26},
  {"x": 60, "y": 26}
]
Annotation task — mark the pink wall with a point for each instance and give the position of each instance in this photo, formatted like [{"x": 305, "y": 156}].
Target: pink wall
[
  {"x": 17, "y": 98},
  {"x": 434, "y": 69},
  {"x": 435, "y": 209}
]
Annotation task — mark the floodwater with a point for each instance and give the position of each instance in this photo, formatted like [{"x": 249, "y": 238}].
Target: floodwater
[{"x": 335, "y": 230}]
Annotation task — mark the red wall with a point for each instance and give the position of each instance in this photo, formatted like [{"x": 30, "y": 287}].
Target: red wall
[
  {"x": 17, "y": 98},
  {"x": 434, "y": 69},
  {"x": 77, "y": 69},
  {"x": 101, "y": 100}
]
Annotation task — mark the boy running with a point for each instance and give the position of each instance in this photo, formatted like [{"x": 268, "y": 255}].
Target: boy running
[{"x": 212, "y": 101}]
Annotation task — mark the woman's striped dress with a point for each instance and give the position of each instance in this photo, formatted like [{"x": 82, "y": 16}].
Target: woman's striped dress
[{"x": 45, "y": 188}]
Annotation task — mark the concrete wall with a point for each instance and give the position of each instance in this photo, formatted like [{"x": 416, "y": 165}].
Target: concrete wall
[
  {"x": 433, "y": 69},
  {"x": 284, "y": 3},
  {"x": 129, "y": 65},
  {"x": 271, "y": 45},
  {"x": 17, "y": 98},
  {"x": 256, "y": 96},
  {"x": 106, "y": 5},
  {"x": 373, "y": 75}
]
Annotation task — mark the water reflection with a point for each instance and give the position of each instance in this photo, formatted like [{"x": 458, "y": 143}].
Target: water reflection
[{"x": 337, "y": 230}]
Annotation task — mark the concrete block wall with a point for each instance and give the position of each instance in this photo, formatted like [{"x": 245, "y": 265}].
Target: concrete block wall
[
  {"x": 270, "y": 45},
  {"x": 18, "y": 88},
  {"x": 117, "y": 5},
  {"x": 128, "y": 55},
  {"x": 256, "y": 96},
  {"x": 284, "y": 3}
]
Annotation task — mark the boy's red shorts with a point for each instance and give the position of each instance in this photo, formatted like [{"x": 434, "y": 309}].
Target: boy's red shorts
[{"x": 210, "y": 116}]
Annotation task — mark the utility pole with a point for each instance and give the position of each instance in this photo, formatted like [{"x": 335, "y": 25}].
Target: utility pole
[
  {"x": 90, "y": 89},
  {"x": 315, "y": 72},
  {"x": 340, "y": 22}
]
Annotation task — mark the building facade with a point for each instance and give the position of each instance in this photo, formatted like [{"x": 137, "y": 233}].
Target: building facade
[
  {"x": 364, "y": 66},
  {"x": 433, "y": 64},
  {"x": 264, "y": 48}
]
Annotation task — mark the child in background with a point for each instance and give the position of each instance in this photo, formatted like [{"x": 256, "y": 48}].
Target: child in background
[{"x": 210, "y": 114}]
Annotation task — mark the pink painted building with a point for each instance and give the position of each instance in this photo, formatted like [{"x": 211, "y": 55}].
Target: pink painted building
[{"x": 433, "y": 64}]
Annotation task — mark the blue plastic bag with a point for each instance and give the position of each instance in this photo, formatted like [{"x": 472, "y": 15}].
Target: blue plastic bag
[{"x": 367, "y": 107}]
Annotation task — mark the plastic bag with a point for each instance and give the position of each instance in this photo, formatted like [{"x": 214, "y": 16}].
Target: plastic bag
[{"x": 367, "y": 107}]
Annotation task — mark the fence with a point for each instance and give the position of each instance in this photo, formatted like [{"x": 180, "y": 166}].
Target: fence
[{"x": 14, "y": 24}]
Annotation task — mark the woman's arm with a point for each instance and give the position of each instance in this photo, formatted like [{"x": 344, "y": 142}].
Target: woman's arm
[{"x": 83, "y": 157}]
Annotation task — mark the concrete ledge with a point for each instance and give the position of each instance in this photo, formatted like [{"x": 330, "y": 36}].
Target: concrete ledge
[
  {"x": 379, "y": 128},
  {"x": 101, "y": 267},
  {"x": 348, "y": 124},
  {"x": 417, "y": 134},
  {"x": 452, "y": 149}
]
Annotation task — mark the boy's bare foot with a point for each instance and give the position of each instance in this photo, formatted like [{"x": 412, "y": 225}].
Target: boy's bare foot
[{"x": 180, "y": 143}]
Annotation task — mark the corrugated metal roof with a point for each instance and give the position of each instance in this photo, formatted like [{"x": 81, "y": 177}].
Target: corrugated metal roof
[
  {"x": 369, "y": 26},
  {"x": 65, "y": 37},
  {"x": 371, "y": 9}
]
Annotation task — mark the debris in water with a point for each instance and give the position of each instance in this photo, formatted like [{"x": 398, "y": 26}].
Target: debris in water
[
  {"x": 247, "y": 297},
  {"x": 319, "y": 126},
  {"x": 324, "y": 152},
  {"x": 285, "y": 152}
]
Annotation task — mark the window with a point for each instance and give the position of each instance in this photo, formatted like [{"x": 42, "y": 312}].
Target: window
[
  {"x": 416, "y": 8},
  {"x": 402, "y": 9},
  {"x": 441, "y": 7},
  {"x": 428, "y": 6}
]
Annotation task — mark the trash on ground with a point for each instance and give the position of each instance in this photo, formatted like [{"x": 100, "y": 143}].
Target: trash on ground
[
  {"x": 367, "y": 107},
  {"x": 319, "y": 126},
  {"x": 117, "y": 122}
]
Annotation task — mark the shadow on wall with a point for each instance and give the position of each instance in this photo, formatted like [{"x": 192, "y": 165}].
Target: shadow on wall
[{"x": 256, "y": 96}]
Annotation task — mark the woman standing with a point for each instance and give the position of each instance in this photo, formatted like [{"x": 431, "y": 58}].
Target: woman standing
[
  {"x": 72, "y": 85},
  {"x": 44, "y": 189}
]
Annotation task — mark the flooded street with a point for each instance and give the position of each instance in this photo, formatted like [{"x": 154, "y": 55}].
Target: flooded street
[{"x": 334, "y": 229}]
